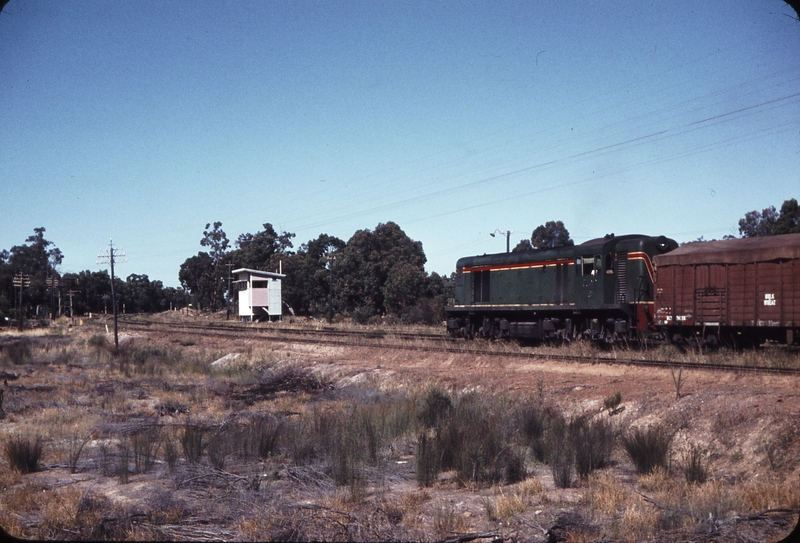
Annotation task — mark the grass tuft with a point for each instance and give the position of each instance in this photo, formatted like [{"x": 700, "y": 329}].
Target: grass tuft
[
  {"x": 23, "y": 454},
  {"x": 648, "y": 448},
  {"x": 694, "y": 465}
]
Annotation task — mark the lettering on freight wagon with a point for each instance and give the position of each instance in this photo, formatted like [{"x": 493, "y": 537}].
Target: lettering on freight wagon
[{"x": 769, "y": 299}]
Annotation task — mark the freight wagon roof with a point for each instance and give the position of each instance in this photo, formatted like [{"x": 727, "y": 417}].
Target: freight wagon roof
[{"x": 733, "y": 251}]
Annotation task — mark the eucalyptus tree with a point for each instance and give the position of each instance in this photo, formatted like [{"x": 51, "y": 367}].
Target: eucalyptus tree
[
  {"x": 551, "y": 234},
  {"x": 216, "y": 239}
]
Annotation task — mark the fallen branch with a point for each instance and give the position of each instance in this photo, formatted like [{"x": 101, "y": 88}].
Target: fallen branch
[
  {"x": 316, "y": 507},
  {"x": 659, "y": 505},
  {"x": 473, "y": 536},
  {"x": 529, "y": 525},
  {"x": 768, "y": 513}
]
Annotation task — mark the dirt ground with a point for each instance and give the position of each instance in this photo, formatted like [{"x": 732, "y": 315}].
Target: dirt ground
[{"x": 747, "y": 425}]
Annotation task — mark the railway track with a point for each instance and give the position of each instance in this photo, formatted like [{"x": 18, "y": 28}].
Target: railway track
[{"x": 427, "y": 342}]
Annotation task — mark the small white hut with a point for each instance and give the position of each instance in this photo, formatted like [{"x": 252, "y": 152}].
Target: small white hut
[{"x": 259, "y": 294}]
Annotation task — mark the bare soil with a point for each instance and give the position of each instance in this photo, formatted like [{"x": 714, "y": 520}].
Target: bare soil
[{"x": 67, "y": 392}]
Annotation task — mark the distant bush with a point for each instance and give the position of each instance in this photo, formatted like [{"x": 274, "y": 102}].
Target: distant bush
[
  {"x": 362, "y": 315},
  {"x": 97, "y": 341},
  {"x": 648, "y": 448},
  {"x": 17, "y": 352},
  {"x": 411, "y": 315}
]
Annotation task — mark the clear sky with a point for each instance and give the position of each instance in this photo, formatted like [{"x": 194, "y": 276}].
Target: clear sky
[{"x": 142, "y": 121}]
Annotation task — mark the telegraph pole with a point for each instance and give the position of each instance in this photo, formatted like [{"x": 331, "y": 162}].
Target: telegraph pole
[
  {"x": 53, "y": 283},
  {"x": 229, "y": 297},
  {"x": 21, "y": 280},
  {"x": 111, "y": 256},
  {"x": 331, "y": 259}
]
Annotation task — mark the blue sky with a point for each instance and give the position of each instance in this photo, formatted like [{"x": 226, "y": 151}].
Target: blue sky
[{"x": 143, "y": 121}]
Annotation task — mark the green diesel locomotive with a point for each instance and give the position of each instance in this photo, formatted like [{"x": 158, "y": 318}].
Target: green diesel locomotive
[{"x": 601, "y": 290}]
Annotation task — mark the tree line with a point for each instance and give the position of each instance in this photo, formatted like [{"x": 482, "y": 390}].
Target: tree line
[
  {"x": 32, "y": 287},
  {"x": 374, "y": 274}
]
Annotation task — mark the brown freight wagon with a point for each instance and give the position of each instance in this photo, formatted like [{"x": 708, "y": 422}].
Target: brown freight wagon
[{"x": 744, "y": 291}]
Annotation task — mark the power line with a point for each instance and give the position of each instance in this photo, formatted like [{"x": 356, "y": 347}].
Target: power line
[{"x": 111, "y": 256}]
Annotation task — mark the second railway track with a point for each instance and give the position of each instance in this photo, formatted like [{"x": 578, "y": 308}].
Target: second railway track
[{"x": 427, "y": 342}]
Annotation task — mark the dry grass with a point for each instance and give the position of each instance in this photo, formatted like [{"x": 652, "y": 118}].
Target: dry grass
[
  {"x": 759, "y": 494},
  {"x": 607, "y": 494},
  {"x": 294, "y": 444}
]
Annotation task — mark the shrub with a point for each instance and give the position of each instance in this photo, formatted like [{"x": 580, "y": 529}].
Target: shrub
[
  {"x": 23, "y": 454},
  {"x": 694, "y": 465},
  {"x": 170, "y": 453},
  {"x": 260, "y": 437},
  {"x": 648, "y": 448},
  {"x": 18, "y": 352},
  {"x": 97, "y": 341},
  {"x": 436, "y": 403},
  {"x": 613, "y": 401},
  {"x": 561, "y": 454},
  {"x": 122, "y": 464},
  {"x": 146, "y": 360},
  {"x": 76, "y": 445},
  {"x": 145, "y": 446},
  {"x": 427, "y": 460},
  {"x": 535, "y": 421},
  {"x": 362, "y": 315},
  {"x": 471, "y": 439},
  {"x": 593, "y": 442},
  {"x": 411, "y": 315},
  {"x": 510, "y": 466},
  {"x": 192, "y": 443},
  {"x": 219, "y": 446},
  {"x": 469, "y": 436},
  {"x": 299, "y": 439}
]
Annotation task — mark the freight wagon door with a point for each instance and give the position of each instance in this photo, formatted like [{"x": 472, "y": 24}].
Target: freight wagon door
[{"x": 710, "y": 295}]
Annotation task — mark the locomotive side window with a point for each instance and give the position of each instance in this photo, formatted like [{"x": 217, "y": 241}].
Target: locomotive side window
[
  {"x": 598, "y": 264},
  {"x": 588, "y": 265},
  {"x": 578, "y": 266},
  {"x": 610, "y": 263}
]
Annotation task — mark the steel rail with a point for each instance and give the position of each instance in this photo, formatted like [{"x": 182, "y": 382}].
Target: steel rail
[{"x": 371, "y": 339}]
